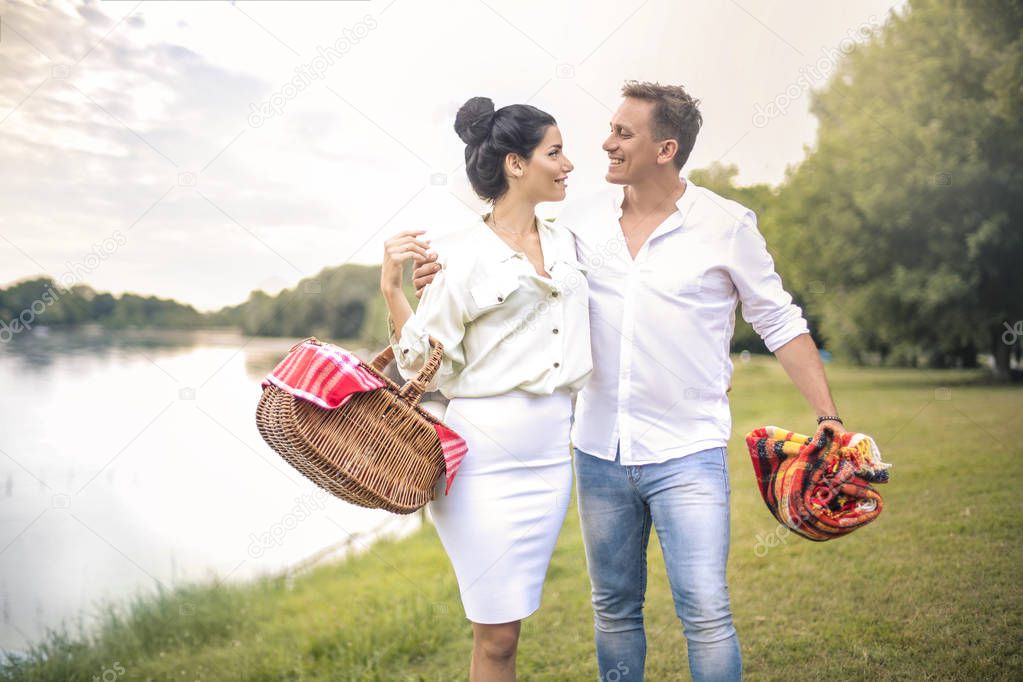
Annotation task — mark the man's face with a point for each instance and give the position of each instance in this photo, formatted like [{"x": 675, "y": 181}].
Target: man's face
[{"x": 631, "y": 148}]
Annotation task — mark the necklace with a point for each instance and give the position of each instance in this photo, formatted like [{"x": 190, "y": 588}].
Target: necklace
[
  {"x": 489, "y": 220},
  {"x": 540, "y": 269}
]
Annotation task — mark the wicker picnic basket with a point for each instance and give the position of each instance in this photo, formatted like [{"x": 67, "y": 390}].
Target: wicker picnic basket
[{"x": 378, "y": 450}]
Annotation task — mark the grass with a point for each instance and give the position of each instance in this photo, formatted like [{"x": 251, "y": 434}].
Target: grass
[{"x": 931, "y": 590}]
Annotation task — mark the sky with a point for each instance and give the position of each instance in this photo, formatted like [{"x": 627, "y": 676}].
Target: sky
[{"x": 201, "y": 150}]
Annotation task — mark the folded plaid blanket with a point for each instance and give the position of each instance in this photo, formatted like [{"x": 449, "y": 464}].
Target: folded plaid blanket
[
  {"x": 324, "y": 375},
  {"x": 819, "y": 486},
  {"x": 328, "y": 376}
]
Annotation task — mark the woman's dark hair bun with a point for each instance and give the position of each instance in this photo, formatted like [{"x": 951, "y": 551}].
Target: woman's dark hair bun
[
  {"x": 490, "y": 136},
  {"x": 474, "y": 120}
]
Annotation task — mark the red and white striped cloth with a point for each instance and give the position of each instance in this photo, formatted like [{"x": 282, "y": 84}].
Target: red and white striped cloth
[{"x": 328, "y": 376}]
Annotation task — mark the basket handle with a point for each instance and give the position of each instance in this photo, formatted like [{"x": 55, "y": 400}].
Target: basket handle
[
  {"x": 413, "y": 389},
  {"x": 311, "y": 339},
  {"x": 383, "y": 359}
]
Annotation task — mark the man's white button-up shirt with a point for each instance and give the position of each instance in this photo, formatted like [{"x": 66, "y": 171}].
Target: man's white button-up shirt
[{"x": 661, "y": 324}]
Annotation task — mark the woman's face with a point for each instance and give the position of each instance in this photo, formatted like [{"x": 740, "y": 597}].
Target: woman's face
[{"x": 544, "y": 175}]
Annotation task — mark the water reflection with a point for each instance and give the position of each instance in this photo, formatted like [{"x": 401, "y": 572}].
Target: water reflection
[{"x": 131, "y": 459}]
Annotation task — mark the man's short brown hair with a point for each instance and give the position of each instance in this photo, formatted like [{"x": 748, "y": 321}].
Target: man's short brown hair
[{"x": 675, "y": 115}]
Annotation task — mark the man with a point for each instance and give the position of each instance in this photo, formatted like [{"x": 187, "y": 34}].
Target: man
[{"x": 668, "y": 263}]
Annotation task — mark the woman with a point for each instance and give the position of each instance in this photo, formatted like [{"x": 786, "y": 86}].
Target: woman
[{"x": 510, "y": 307}]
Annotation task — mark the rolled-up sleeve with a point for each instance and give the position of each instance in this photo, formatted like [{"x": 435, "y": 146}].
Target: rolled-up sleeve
[
  {"x": 765, "y": 303},
  {"x": 441, "y": 314}
]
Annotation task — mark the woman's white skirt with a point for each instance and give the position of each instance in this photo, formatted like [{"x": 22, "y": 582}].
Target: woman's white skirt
[{"x": 500, "y": 521}]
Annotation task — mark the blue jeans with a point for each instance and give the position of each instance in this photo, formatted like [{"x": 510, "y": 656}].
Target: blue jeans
[{"x": 687, "y": 501}]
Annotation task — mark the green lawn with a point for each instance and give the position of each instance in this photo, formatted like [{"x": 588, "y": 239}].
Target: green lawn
[{"x": 931, "y": 590}]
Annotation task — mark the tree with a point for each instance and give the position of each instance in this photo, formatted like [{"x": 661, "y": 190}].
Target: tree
[{"x": 907, "y": 210}]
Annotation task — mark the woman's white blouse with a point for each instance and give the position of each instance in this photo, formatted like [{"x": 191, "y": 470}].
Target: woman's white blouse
[{"x": 503, "y": 326}]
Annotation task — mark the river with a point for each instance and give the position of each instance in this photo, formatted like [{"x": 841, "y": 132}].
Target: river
[{"x": 131, "y": 460}]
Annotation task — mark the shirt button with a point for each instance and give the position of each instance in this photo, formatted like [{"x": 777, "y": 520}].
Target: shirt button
[
  {"x": 554, "y": 294},
  {"x": 555, "y": 330},
  {"x": 500, "y": 299},
  {"x": 557, "y": 364}
]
